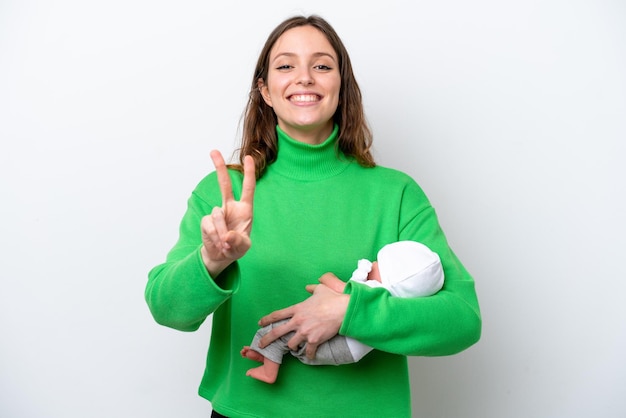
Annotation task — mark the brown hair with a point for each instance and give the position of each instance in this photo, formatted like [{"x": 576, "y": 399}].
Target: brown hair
[{"x": 259, "y": 120}]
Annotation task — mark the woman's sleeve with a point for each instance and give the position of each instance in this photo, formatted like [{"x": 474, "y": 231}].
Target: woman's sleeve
[
  {"x": 443, "y": 324},
  {"x": 180, "y": 292}
]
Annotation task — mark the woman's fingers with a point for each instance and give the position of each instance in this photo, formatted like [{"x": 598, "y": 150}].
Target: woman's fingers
[
  {"x": 210, "y": 236},
  {"x": 310, "y": 350},
  {"x": 222, "y": 176},
  {"x": 295, "y": 342},
  {"x": 249, "y": 180},
  {"x": 233, "y": 218},
  {"x": 275, "y": 333},
  {"x": 277, "y": 316},
  {"x": 226, "y": 231},
  {"x": 219, "y": 224},
  {"x": 236, "y": 244}
]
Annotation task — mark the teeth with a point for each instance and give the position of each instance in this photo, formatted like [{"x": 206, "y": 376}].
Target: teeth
[{"x": 304, "y": 98}]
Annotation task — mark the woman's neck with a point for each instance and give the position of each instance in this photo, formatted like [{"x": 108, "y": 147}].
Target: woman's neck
[
  {"x": 301, "y": 161},
  {"x": 314, "y": 135}
]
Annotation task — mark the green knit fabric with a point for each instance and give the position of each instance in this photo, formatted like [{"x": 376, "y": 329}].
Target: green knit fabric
[{"x": 315, "y": 211}]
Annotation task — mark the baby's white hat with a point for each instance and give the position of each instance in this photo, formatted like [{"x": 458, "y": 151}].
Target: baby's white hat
[{"x": 410, "y": 269}]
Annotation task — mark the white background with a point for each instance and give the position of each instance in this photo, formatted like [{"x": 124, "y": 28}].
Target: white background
[{"x": 511, "y": 115}]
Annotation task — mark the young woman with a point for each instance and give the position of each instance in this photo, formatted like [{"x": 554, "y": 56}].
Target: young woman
[{"x": 319, "y": 200}]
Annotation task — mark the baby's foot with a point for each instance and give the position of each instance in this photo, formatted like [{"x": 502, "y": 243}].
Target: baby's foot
[
  {"x": 249, "y": 353},
  {"x": 261, "y": 373}
]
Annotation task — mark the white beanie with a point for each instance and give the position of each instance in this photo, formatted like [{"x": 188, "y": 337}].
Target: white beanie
[{"x": 410, "y": 269}]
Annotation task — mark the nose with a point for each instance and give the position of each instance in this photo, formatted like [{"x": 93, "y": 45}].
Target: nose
[{"x": 305, "y": 77}]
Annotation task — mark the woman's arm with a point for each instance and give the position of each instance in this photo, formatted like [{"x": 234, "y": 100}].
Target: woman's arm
[
  {"x": 200, "y": 272},
  {"x": 441, "y": 324},
  {"x": 180, "y": 292}
]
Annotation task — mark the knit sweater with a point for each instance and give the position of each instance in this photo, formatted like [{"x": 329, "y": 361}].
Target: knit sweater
[{"x": 315, "y": 211}]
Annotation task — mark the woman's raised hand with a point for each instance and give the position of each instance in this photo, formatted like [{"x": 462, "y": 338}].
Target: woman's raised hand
[{"x": 226, "y": 231}]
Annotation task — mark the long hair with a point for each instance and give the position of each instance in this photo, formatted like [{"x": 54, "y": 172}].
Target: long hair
[{"x": 259, "y": 137}]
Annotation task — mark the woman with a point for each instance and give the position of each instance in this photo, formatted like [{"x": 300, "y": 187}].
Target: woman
[{"x": 319, "y": 202}]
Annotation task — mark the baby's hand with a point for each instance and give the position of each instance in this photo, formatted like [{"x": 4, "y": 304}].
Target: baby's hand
[{"x": 329, "y": 280}]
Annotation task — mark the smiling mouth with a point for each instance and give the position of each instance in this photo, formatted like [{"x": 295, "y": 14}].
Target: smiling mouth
[{"x": 305, "y": 98}]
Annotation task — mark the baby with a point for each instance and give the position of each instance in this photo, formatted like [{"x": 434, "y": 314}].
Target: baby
[{"x": 404, "y": 268}]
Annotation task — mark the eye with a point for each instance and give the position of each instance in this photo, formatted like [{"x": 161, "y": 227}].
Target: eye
[
  {"x": 322, "y": 67},
  {"x": 284, "y": 67}
]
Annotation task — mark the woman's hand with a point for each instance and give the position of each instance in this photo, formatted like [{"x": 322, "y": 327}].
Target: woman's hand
[
  {"x": 315, "y": 320},
  {"x": 226, "y": 231}
]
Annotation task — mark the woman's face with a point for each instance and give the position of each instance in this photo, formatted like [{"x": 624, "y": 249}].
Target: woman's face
[{"x": 303, "y": 84}]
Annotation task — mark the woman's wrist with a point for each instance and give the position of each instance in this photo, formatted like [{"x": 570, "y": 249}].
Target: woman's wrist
[{"x": 214, "y": 268}]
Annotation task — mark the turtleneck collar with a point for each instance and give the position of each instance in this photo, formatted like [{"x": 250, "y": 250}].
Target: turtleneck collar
[{"x": 305, "y": 162}]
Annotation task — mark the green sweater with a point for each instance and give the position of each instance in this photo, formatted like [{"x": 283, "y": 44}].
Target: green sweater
[{"x": 315, "y": 211}]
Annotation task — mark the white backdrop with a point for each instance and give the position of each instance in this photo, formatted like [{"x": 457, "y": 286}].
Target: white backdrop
[{"x": 511, "y": 115}]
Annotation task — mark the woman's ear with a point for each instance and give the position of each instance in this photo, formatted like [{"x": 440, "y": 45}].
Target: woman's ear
[{"x": 264, "y": 92}]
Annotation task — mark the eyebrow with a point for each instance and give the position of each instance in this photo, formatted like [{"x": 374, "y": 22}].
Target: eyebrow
[{"x": 316, "y": 55}]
